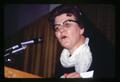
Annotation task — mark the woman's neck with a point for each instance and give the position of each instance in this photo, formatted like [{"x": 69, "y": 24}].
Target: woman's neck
[{"x": 81, "y": 41}]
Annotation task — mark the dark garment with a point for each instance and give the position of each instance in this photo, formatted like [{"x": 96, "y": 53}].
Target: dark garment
[
  {"x": 103, "y": 59},
  {"x": 60, "y": 70}
]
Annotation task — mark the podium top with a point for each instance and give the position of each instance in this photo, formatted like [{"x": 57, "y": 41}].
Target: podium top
[{"x": 14, "y": 73}]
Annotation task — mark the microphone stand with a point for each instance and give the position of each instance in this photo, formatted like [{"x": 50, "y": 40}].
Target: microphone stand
[
  {"x": 20, "y": 47},
  {"x": 23, "y": 47}
]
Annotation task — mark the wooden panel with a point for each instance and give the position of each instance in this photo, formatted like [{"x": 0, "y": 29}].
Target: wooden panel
[{"x": 14, "y": 73}]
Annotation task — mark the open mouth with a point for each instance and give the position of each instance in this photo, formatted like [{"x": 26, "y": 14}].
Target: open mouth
[{"x": 63, "y": 37}]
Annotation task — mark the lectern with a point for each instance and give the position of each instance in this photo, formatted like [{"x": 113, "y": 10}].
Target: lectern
[{"x": 14, "y": 73}]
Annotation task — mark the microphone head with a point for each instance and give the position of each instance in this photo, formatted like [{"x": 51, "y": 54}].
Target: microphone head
[{"x": 38, "y": 40}]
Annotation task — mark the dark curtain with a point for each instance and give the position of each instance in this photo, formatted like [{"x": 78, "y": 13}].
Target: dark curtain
[{"x": 103, "y": 17}]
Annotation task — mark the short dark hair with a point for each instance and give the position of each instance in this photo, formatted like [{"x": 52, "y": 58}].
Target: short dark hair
[
  {"x": 81, "y": 18},
  {"x": 69, "y": 9}
]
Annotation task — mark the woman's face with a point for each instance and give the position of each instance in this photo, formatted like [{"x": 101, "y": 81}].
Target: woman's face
[{"x": 67, "y": 31}]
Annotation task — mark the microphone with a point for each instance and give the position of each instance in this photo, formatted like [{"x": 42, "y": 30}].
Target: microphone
[
  {"x": 34, "y": 40},
  {"x": 15, "y": 50}
]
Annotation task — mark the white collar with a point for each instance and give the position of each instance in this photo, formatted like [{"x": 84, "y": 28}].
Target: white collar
[{"x": 81, "y": 57}]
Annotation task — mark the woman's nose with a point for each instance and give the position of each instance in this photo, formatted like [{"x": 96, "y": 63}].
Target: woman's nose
[{"x": 61, "y": 29}]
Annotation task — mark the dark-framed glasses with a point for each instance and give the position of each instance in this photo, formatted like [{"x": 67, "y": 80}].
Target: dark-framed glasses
[{"x": 66, "y": 24}]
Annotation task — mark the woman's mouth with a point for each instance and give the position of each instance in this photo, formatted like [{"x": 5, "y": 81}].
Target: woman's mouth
[{"x": 63, "y": 37}]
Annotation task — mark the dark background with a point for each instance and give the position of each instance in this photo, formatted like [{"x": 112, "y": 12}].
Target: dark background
[{"x": 17, "y": 16}]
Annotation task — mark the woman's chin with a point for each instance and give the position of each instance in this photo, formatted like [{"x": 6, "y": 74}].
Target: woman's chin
[{"x": 67, "y": 46}]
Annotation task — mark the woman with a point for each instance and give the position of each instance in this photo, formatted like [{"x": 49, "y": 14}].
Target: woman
[{"x": 86, "y": 53}]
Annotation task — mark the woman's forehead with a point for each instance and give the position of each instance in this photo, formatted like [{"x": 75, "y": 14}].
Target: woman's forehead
[{"x": 64, "y": 17}]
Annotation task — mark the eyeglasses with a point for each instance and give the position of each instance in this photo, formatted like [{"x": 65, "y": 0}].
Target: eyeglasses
[{"x": 67, "y": 24}]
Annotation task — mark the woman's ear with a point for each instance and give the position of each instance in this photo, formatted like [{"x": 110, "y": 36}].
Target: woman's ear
[{"x": 82, "y": 31}]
